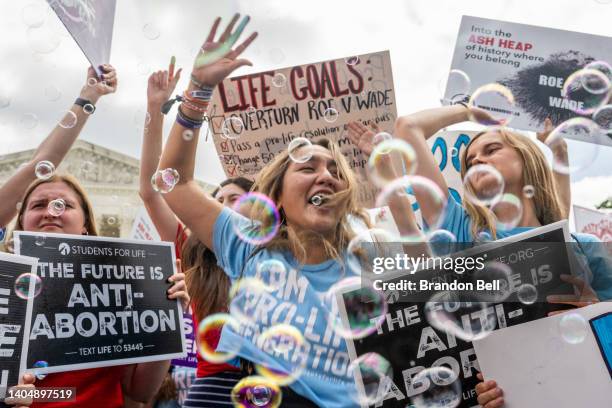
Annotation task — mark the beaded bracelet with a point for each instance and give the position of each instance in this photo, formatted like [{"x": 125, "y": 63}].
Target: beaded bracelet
[
  {"x": 195, "y": 101},
  {"x": 198, "y": 108}
]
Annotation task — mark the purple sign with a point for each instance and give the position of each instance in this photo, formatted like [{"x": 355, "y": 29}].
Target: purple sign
[{"x": 190, "y": 344}]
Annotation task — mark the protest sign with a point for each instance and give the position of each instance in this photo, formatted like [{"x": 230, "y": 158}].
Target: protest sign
[
  {"x": 593, "y": 222},
  {"x": 540, "y": 364},
  {"x": 410, "y": 342},
  {"x": 103, "y": 302},
  {"x": 533, "y": 62},
  {"x": 191, "y": 359},
  {"x": 90, "y": 23},
  {"x": 143, "y": 227},
  {"x": 269, "y": 109},
  {"x": 16, "y": 295}
]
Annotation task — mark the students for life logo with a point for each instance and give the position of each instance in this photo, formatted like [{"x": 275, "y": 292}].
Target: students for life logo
[{"x": 64, "y": 248}]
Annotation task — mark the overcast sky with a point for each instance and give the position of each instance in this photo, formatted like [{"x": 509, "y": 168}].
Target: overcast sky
[{"x": 419, "y": 34}]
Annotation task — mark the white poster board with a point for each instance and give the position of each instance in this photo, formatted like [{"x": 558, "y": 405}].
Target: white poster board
[{"x": 536, "y": 368}]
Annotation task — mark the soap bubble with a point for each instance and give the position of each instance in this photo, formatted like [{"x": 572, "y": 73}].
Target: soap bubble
[
  {"x": 264, "y": 218},
  {"x": 390, "y": 160},
  {"x": 483, "y": 184},
  {"x": 151, "y": 31},
  {"x": 28, "y": 286},
  {"x": 28, "y": 121},
  {"x": 271, "y": 272},
  {"x": 286, "y": 345},
  {"x": 52, "y": 93},
  {"x": 43, "y": 39},
  {"x": 88, "y": 109},
  {"x": 528, "y": 191},
  {"x": 491, "y": 273},
  {"x": 587, "y": 90},
  {"x": 56, "y": 207},
  {"x": 508, "y": 211},
  {"x": 364, "y": 307},
  {"x": 573, "y": 328},
  {"x": 354, "y": 60},
  {"x": 279, "y": 80},
  {"x": 460, "y": 316},
  {"x": 603, "y": 117},
  {"x": 366, "y": 246},
  {"x": 40, "y": 240},
  {"x": 111, "y": 220},
  {"x": 442, "y": 242},
  {"x": 44, "y": 170},
  {"x": 188, "y": 135},
  {"x": 330, "y": 115},
  {"x": 232, "y": 128},
  {"x": 34, "y": 15},
  {"x": 457, "y": 87},
  {"x": 492, "y": 104},
  {"x": 40, "y": 375},
  {"x": 164, "y": 181},
  {"x": 208, "y": 333},
  {"x": 245, "y": 295},
  {"x": 256, "y": 392},
  {"x": 601, "y": 66},
  {"x": 373, "y": 374},
  {"x": 527, "y": 294},
  {"x": 381, "y": 137},
  {"x": 300, "y": 150},
  {"x": 437, "y": 387},
  {"x": 574, "y": 128}
]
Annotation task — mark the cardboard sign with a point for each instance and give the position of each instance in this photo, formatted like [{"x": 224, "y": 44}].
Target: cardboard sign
[
  {"x": 593, "y": 222},
  {"x": 90, "y": 23},
  {"x": 103, "y": 302},
  {"x": 312, "y": 101},
  {"x": 15, "y": 312},
  {"x": 535, "y": 366},
  {"x": 533, "y": 62},
  {"x": 407, "y": 340}
]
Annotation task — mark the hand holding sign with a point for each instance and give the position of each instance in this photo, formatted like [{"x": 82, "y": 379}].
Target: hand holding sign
[
  {"x": 489, "y": 394},
  {"x": 178, "y": 290},
  {"x": 216, "y": 59},
  {"x": 94, "y": 89}
]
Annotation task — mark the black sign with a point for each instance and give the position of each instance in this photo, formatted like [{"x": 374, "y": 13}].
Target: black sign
[
  {"x": 13, "y": 317},
  {"x": 410, "y": 343},
  {"x": 103, "y": 302}
]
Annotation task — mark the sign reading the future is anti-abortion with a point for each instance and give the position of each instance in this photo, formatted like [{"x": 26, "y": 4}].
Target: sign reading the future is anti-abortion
[
  {"x": 410, "y": 341},
  {"x": 534, "y": 63},
  {"x": 103, "y": 302},
  {"x": 315, "y": 100},
  {"x": 17, "y": 288}
]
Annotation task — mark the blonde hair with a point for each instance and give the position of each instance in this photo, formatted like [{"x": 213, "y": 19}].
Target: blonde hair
[
  {"x": 73, "y": 183},
  {"x": 536, "y": 172},
  {"x": 270, "y": 183}
]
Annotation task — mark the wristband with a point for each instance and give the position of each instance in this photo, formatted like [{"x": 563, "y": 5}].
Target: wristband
[
  {"x": 186, "y": 121},
  {"x": 197, "y": 83},
  {"x": 84, "y": 102},
  {"x": 203, "y": 94}
]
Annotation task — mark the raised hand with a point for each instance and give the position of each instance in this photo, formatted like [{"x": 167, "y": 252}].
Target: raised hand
[
  {"x": 161, "y": 85},
  {"x": 216, "y": 59},
  {"x": 362, "y": 137},
  {"x": 94, "y": 88}
]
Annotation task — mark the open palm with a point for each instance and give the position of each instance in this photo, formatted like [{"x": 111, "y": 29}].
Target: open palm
[
  {"x": 216, "y": 59},
  {"x": 362, "y": 137}
]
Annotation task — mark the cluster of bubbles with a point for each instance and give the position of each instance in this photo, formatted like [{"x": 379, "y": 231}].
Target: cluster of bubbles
[
  {"x": 28, "y": 286},
  {"x": 164, "y": 181}
]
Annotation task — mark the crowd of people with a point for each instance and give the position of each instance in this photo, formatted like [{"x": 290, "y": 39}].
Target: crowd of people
[{"x": 312, "y": 238}]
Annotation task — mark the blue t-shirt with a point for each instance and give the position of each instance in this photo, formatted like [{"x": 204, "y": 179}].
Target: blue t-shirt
[
  {"x": 296, "y": 300},
  {"x": 458, "y": 222}
]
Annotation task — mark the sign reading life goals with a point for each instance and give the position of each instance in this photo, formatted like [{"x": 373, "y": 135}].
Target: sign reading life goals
[
  {"x": 16, "y": 295},
  {"x": 103, "y": 302},
  {"x": 534, "y": 63},
  {"x": 411, "y": 343},
  {"x": 254, "y": 117}
]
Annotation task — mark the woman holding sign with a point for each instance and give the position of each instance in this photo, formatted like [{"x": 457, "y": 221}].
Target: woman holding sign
[
  {"x": 99, "y": 385},
  {"x": 306, "y": 200},
  {"x": 520, "y": 163}
]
